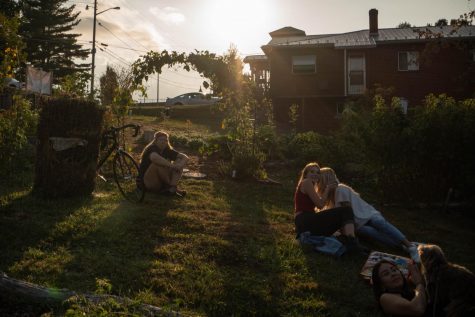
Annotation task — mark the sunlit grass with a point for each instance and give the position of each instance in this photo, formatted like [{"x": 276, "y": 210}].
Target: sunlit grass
[{"x": 227, "y": 248}]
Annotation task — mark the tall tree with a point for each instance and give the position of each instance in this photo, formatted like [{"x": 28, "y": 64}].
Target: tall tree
[
  {"x": 109, "y": 84},
  {"x": 50, "y": 43},
  {"x": 9, "y": 8}
]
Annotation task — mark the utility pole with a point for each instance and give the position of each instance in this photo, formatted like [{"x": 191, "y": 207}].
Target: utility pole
[
  {"x": 93, "y": 49},
  {"x": 158, "y": 74},
  {"x": 93, "y": 52}
]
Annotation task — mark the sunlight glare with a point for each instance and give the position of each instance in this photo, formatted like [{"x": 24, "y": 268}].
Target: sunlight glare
[{"x": 238, "y": 20}]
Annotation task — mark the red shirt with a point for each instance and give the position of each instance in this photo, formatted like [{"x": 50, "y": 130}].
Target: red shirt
[{"x": 302, "y": 202}]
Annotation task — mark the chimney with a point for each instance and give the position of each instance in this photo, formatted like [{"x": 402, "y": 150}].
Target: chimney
[{"x": 373, "y": 22}]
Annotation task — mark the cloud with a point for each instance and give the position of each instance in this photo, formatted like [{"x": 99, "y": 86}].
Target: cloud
[{"x": 168, "y": 15}]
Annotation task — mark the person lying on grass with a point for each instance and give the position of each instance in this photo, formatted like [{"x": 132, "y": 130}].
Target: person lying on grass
[
  {"x": 369, "y": 222},
  {"x": 161, "y": 166},
  {"x": 396, "y": 295},
  {"x": 323, "y": 223},
  {"x": 451, "y": 287}
]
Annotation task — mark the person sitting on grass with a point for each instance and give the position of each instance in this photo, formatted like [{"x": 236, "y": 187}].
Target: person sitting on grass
[
  {"x": 396, "y": 295},
  {"x": 323, "y": 223},
  {"x": 161, "y": 166},
  {"x": 451, "y": 287},
  {"x": 369, "y": 222}
]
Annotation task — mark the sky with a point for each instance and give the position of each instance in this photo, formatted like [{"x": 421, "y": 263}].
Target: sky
[{"x": 214, "y": 25}]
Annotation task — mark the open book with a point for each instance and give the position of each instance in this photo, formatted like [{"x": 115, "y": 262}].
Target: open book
[{"x": 376, "y": 256}]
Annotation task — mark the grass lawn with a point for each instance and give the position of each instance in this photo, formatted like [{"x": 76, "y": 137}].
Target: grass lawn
[{"x": 227, "y": 248}]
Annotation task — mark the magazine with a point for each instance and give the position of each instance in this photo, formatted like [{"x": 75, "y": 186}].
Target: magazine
[{"x": 376, "y": 256}]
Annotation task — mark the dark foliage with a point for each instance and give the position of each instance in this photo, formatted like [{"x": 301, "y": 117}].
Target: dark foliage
[
  {"x": 71, "y": 171},
  {"x": 46, "y": 28}
]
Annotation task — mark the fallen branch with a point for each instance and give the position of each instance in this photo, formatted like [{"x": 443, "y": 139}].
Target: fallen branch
[{"x": 16, "y": 293}]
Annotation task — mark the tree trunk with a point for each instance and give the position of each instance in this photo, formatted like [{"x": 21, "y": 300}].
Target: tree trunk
[{"x": 29, "y": 299}]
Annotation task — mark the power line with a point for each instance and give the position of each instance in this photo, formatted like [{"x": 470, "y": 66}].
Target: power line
[{"x": 100, "y": 24}]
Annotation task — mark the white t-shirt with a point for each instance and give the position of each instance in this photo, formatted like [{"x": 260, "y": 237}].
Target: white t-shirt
[{"x": 361, "y": 209}]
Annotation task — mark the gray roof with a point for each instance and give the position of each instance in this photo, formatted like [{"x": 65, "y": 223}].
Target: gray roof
[
  {"x": 249, "y": 58},
  {"x": 362, "y": 39}
]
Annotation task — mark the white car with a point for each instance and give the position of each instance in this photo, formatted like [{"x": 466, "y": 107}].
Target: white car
[
  {"x": 192, "y": 98},
  {"x": 12, "y": 83}
]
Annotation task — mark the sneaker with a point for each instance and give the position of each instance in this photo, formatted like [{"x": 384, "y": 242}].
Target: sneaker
[
  {"x": 412, "y": 250},
  {"x": 171, "y": 193}
]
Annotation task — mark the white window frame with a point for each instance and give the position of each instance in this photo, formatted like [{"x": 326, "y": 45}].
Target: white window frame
[
  {"x": 412, "y": 58},
  {"x": 356, "y": 63},
  {"x": 308, "y": 62}
]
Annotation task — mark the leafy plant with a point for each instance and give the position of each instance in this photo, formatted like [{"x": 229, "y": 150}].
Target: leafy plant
[{"x": 16, "y": 124}]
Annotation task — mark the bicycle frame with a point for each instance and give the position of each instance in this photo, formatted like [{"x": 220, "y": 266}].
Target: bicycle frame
[{"x": 112, "y": 134}]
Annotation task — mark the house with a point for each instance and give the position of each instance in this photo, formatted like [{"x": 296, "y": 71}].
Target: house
[
  {"x": 259, "y": 67},
  {"x": 321, "y": 72}
]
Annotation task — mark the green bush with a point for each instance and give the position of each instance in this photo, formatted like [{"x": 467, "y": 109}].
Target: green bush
[
  {"x": 16, "y": 124},
  {"x": 415, "y": 157},
  {"x": 217, "y": 144},
  {"x": 305, "y": 147},
  {"x": 247, "y": 161},
  {"x": 195, "y": 144}
]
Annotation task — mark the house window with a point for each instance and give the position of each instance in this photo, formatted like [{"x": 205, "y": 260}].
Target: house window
[
  {"x": 304, "y": 64},
  {"x": 408, "y": 61},
  {"x": 356, "y": 77}
]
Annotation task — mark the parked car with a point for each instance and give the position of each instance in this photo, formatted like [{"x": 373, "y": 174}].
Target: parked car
[{"x": 192, "y": 98}]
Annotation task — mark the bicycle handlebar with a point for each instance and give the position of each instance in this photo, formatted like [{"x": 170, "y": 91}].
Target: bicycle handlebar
[{"x": 114, "y": 130}]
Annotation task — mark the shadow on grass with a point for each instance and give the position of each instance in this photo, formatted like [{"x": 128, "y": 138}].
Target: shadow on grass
[
  {"x": 26, "y": 220},
  {"x": 258, "y": 268},
  {"x": 70, "y": 243}
]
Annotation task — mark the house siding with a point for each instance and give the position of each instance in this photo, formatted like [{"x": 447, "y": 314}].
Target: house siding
[
  {"x": 326, "y": 81},
  {"x": 443, "y": 70}
]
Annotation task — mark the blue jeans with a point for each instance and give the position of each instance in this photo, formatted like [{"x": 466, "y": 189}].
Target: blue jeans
[{"x": 379, "y": 229}]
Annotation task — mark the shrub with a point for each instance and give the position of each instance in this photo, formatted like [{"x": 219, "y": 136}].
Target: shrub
[
  {"x": 16, "y": 124},
  {"x": 415, "y": 157},
  {"x": 305, "y": 147}
]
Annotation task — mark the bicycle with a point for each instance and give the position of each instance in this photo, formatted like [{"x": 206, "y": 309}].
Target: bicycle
[{"x": 126, "y": 170}]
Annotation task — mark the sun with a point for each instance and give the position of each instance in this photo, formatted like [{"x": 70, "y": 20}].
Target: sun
[{"x": 234, "y": 21}]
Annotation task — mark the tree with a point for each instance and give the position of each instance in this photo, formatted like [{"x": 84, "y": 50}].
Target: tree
[
  {"x": 46, "y": 28},
  {"x": 441, "y": 22},
  {"x": 9, "y": 8},
  {"x": 74, "y": 85},
  {"x": 404, "y": 25},
  {"x": 109, "y": 83},
  {"x": 11, "y": 46}
]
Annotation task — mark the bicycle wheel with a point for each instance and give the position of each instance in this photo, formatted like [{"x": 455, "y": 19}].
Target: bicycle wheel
[{"x": 126, "y": 172}]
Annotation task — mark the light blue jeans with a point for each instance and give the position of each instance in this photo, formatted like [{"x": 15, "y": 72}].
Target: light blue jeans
[{"x": 380, "y": 230}]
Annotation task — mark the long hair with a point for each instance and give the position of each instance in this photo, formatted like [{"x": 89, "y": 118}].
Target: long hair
[
  {"x": 378, "y": 287},
  {"x": 327, "y": 177},
  {"x": 305, "y": 170},
  {"x": 451, "y": 287},
  {"x": 433, "y": 263},
  {"x": 432, "y": 259},
  {"x": 155, "y": 137}
]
